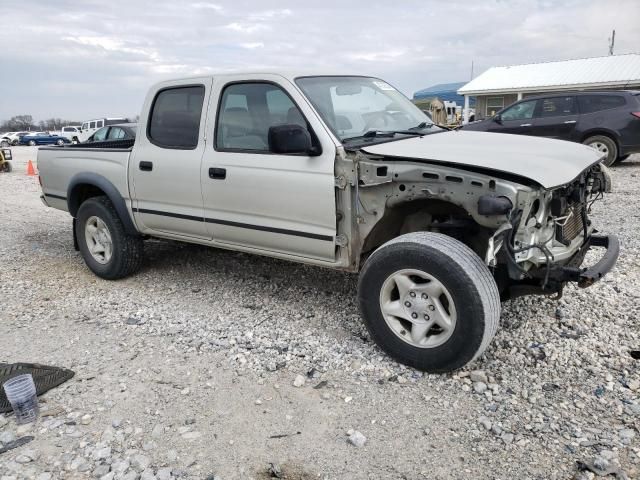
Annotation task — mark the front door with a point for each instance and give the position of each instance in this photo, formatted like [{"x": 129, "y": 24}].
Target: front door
[
  {"x": 517, "y": 118},
  {"x": 164, "y": 170},
  {"x": 259, "y": 199},
  {"x": 556, "y": 117}
]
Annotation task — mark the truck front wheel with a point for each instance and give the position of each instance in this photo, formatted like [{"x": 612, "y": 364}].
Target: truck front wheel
[
  {"x": 107, "y": 249},
  {"x": 429, "y": 301}
]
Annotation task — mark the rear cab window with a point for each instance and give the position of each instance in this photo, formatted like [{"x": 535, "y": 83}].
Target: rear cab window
[
  {"x": 175, "y": 117},
  {"x": 597, "y": 103}
]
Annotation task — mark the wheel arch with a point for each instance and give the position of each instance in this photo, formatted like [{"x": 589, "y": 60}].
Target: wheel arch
[
  {"x": 601, "y": 131},
  {"x": 425, "y": 215},
  {"x": 86, "y": 185}
]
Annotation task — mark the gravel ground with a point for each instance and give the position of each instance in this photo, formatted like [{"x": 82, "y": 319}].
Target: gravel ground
[{"x": 219, "y": 365}]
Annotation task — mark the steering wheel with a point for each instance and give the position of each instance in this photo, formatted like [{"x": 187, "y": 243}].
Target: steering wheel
[{"x": 384, "y": 116}]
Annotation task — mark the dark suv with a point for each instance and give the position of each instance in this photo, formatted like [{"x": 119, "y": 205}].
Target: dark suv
[{"x": 608, "y": 121}]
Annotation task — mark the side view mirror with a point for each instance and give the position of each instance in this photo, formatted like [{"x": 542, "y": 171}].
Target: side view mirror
[
  {"x": 497, "y": 118},
  {"x": 290, "y": 138}
]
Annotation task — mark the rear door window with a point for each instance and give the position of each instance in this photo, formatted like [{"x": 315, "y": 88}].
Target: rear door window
[
  {"x": 556, "y": 107},
  {"x": 597, "y": 103},
  {"x": 175, "y": 117},
  {"x": 116, "y": 133},
  {"x": 92, "y": 125}
]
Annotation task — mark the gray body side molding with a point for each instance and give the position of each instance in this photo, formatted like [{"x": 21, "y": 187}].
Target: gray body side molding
[{"x": 93, "y": 179}]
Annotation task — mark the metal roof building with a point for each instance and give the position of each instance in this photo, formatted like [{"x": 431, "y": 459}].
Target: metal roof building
[{"x": 500, "y": 86}]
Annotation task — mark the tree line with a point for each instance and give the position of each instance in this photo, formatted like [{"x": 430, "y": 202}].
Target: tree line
[{"x": 26, "y": 122}]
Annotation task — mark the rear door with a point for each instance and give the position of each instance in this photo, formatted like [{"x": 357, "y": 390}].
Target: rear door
[
  {"x": 556, "y": 117},
  {"x": 260, "y": 199},
  {"x": 164, "y": 170},
  {"x": 517, "y": 119}
]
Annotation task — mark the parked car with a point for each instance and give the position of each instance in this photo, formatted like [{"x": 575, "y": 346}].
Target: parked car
[
  {"x": 71, "y": 133},
  {"x": 440, "y": 224},
  {"x": 121, "y": 131},
  {"x": 91, "y": 126},
  {"x": 606, "y": 121},
  {"x": 42, "y": 138},
  {"x": 12, "y": 138}
]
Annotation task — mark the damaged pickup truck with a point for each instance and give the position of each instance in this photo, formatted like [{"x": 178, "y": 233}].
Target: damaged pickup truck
[{"x": 343, "y": 172}]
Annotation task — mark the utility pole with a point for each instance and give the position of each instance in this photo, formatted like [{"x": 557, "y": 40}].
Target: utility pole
[
  {"x": 471, "y": 78},
  {"x": 612, "y": 42}
]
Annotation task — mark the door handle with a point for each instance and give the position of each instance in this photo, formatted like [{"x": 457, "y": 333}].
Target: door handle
[
  {"x": 218, "y": 173},
  {"x": 525, "y": 125},
  {"x": 146, "y": 166},
  {"x": 570, "y": 121}
]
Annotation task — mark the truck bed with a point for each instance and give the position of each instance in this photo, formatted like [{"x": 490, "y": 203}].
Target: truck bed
[{"x": 57, "y": 167}]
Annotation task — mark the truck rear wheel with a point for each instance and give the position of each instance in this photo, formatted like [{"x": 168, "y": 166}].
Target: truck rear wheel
[
  {"x": 429, "y": 301},
  {"x": 107, "y": 249}
]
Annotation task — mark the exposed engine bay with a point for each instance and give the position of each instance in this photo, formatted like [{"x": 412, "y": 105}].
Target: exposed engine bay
[{"x": 526, "y": 234}]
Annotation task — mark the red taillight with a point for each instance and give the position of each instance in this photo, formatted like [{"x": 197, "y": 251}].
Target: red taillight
[{"x": 636, "y": 114}]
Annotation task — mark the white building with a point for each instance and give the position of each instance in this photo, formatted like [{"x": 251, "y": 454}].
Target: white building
[{"x": 498, "y": 87}]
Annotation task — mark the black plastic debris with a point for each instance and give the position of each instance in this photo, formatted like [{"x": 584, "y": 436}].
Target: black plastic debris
[
  {"x": 44, "y": 376},
  {"x": 16, "y": 443}
]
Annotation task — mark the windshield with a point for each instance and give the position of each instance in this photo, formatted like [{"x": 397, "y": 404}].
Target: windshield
[{"x": 353, "y": 106}]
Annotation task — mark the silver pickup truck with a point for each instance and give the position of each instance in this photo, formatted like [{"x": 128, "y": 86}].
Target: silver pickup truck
[{"x": 343, "y": 172}]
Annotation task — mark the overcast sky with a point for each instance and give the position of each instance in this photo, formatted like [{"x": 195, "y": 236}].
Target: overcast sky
[{"x": 85, "y": 59}]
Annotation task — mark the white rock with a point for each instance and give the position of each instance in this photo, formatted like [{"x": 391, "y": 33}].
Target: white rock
[
  {"x": 140, "y": 462},
  {"x": 120, "y": 466},
  {"x": 357, "y": 439},
  {"x": 148, "y": 475},
  {"x": 485, "y": 422},
  {"x": 299, "y": 381},
  {"x": 191, "y": 435},
  {"x": 7, "y": 437},
  {"x": 157, "y": 431},
  {"x": 479, "y": 387},
  {"x": 101, "y": 453},
  {"x": 164, "y": 474},
  {"x": 86, "y": 419},
  {"x": 478, "y": 376}
]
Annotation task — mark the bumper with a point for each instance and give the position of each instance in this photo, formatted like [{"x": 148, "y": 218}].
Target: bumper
[{"x": 586, "y": 277}]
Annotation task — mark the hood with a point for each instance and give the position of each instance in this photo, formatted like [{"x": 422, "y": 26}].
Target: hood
[{"x": 550, "y": 163}]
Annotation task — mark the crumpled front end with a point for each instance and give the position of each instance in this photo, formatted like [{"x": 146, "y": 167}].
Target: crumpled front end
[{"x": 545, "y": 242}]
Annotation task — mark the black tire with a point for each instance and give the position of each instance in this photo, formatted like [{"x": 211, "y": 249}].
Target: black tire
[
  {"x": 612, "y": 147},
  {"x": 32, "y": 143},
  {"x": 15, "y": 143},
  {"x": 469, "y": 282},
  {"x": 6, "y": 167},
  {"x": 60, "y": 142},
  {"x": 127, "y": 250}
]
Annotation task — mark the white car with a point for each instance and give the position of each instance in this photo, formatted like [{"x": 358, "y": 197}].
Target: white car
[
  {"x": 70, "y": 132},
  {"x": 12, "y": 138},
  {"x": 91, "y": 126}
]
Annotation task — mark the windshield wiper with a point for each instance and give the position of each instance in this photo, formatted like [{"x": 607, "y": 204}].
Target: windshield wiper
[{"x": 384, "y": 133}]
